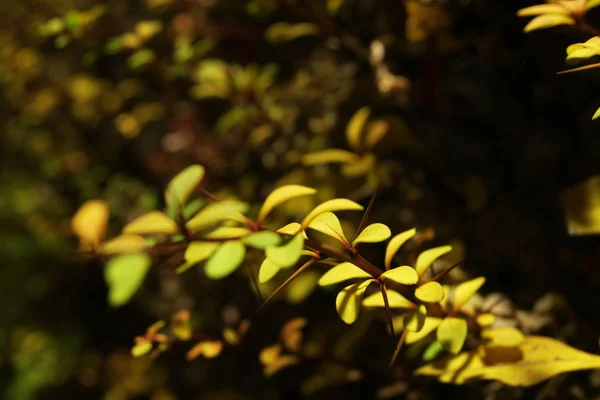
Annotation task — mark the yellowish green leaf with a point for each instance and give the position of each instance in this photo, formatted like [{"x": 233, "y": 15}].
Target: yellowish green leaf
[
  {"x": 207, "y": 348},
  {"x": 228, "y": 232},
  {"x": 288, "y": 254},
  {"x": 262, "y": 239},
  {"x": 395, "y": 300},
  {"x": 290, "y": 229},
  {"x": 142, "y": 347},
  {"x": 362, "y": 166},
  {"x": 268, "y": 269},
  {"x": 181, "y": 187},
  {"x": 329, "y": 156},
  {"x": 348, "y": 301},
  {"x": 197, "y": 252},
  {"x": 330, "y": 206},
  {"x": 281, "y": 32},
  {"x": 426, "y": 258},
  {"x": 225, "y": 260},
  {"x": 591, "y": 4},
  {"x": 464, "y": 291},
  {"x": 302, "y": 287},
  {"x": 541, "y": 9},
  {"x": 430, "y": 325},
  {"x": 280, "y": 196},
  {"x": 355, "y": 127},
  {"x": 403, "y": 275},
  {"x": 123, "y": 244},
  {"x": 431, "y": 292},
  {"x": 124, "y": 275},
  {"x": 485, "y": 320},
  {"x": 596, "y": 114},
  {"x": 226, "y": 210},
  {"x": 373, "y": 233},
  {"x": 415, "y": 321},
  {"x": 395, "y": 243},
  {"x": 180, "y": 325},
  {"x": 433, "y": 350},
  {"x": 328, "y": 224},
  {"x": 89, "y": 222},
  {"x": 581, "y": 205},
  {"x": 150, "y": 223},
  {"x": 503, "y": 337},
  {"x": 548, "y": 21},
  {"x": 342, "y": 272},
  {"x": 452, "y": 333}
]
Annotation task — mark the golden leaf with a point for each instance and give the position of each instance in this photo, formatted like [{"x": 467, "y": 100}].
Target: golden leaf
[
  {"x": 452, "y": 334},
  {"x": 342, "y": 272},
  {"x": 431, "y": 292},
  {"x": 330, "y": 206},
  {"x": 123, "y": 244},
  {"x": 355, "y": 127},
  {"x": 329, "y": 156},
  {"x": 348, "y": 301},
  {"x": 149, "y": 223},
  {"x": 404, "y": 275},
  {"x": 89, "y": 222},
  {"x": 281, "y": 195},
  {"x": 548, "y": 21},
  {"x": 206, "y": 348},
  {"x": 395, "y": 300},
  {"x": 291, "y": 334},
  {"x": 395, "y": 243},
  {"x": 426, "y": 258},
  {"x": 328, "y": 224},
  {"x": 373, "y": 233}
]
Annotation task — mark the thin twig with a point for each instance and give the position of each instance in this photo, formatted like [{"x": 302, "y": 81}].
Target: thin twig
[
  {"x": 398, "y": 347},
  {"x": 578, "y": 69},
  {"x": 386, "y": 303},
  {"x": 288, "y": 281},
  {"x": 365, "y": 217}
]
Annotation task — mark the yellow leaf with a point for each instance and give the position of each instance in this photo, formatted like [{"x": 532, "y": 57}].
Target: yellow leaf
[
  {"x": 292, "y": 229},
  {"x": 395, "y": 300},
  {"x": 342, "y": 272},
  {"x": 123, "y": 244},
  {"x": 206, "y": 348},
  {"x": 430, "y": 325},
  {"x": 360, "y": 167},
  {"x": 152, "y": 222},
  {"x": 376, "y": 130},
  {"x": 503, "y": 337},
  {"x": 142, "y": 347},
  {"x": 181, "y": 187},
  {"x": 355, "y": 127},
  {"x": 395, "y": 243},
  {"x": 269, "y": 354},
  {"x": 199, "y": 251},
  {"x": 280, "y": 196},
  {"x": 431, "y": 292},
  {"x": 373, "y": 233},
  {"x": 349, "y": 300},
  {"x": 291, "y": 334},
  {"x": 581, "y": 204},
  {"x": 596, "y": 114},
  {"x": 180, "y": 325},
  {"x": 328, "y": 224},
  {"x": 427, "y": 258},
  {"x": 486, "y": 319},
  {"x": 452, "y": 333},
  {"x": 155, "y": 327},
  {"x": 228, "y": 232},
  {"x": 334, "y": 5},
  {"x": 226, "y": 210},
  {"x": 415, "y": 321},
  {"x": 548, "y": 21},
  {"x": 288, "y": 254},
  {"x": 284, "y": 361},
  {"x": 268, "y": 269},
  {"x": 540, "y": 9},
  {"x": 329, "y": 156},
  {"x": 404, "y": 275},
  {"x": 89, "y": 222},
  {"x": 330, "y": 206},
  {"x": 464, "y": 291},
  {"x": 592, "y": 4}
]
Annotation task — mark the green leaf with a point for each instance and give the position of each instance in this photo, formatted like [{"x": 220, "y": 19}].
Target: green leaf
[
  {"x": 288, "y": 254},
  {"x": 433, "y": 350},
  {"x": 430, "y": 325},
  {"x": 226, "y": 210},
  {"x": 280, "y": 196},
  {"x": 329, "y": 156},
  {"x": 268, "y": 269},
  {"x": 415, "y": 321},
  {"x": 431, "y": 292},
  {"x": 404, "y": 275},
  {"x": 548, "y": 21},
  {"x": 452, "y": 333},
  {"x": 330, "y": 206},
  {"x": 342, "y": 272},
  {"x": 328, "y": 224},
  {"x": 225, "y": 260},
  {"x": 124, "y": 275},
  {"x": 192, "y": 208},
  {"x": 464, "y": 291},
  {"x": 348, "y": 301},
  {"x": 181, "y": 187},
  {"x": 373, "y": 233},
  {"x": 395, "y": 300},
  {"x": 151, "y": 223},
  {"x": 355, "y": 127},
  {"x": 261, "y": 240},
  {"x": 197, "y": 252},
  {"x": 141, "y": 58},
  {"x": 395, "y": 243},
  {"x": 427, "y": 258}
]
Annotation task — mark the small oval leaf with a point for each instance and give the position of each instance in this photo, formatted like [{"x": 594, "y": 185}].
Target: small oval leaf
[
  {"x": 328, "y": 224},
  {"x": 342, "y": 272},
  {"x": 330, "y": 206},
  {"x": 226, "y": 210},
  {"x": 355, "y": 127},
  {"x": 123, "y": 244},
  {"x": 225, "y": 260},
  {"x": 373, "y": 233},
  {"x": 348, "y": 301},
  {"x": 395, "y": 243},
  {"x": 329, "y": 156},
  {"x": 464, "y": 291},
  {"x": 430, "y": 325},
  {"x": 268, "y": 269},
  {"x": 452, "y": 333},
  {"x": 280, "y": 196},
  {"x": 89, "y": 222},
  {"x": 181, "y": 187},
  {"x": 427, "y": 258},
  {"x": 124, "y": 275},
  {"x": 404, "y": 275},
  {"x": 431, "y": 292},
  {"x": 154, "y": 222},
  {"x": 395, "y": 300},
  {"x": 261, "y": 240}
]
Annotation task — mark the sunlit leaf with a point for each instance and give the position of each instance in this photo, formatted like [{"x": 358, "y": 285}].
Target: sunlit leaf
[
  {"x": 342, "y": 272},
  {"x": 355, "y": 127},
  {"x": 291, "y": 334},
  {"x": 288, "y": 254},
  {"x": 415, "y": 320},
  {"x": 330, "y": 206},
  {"x": 426, "y": 258},
  {"x": 581, "y": 204},
  {"x": 152, "y": 222},
  {"x": 376, "y": 130},
  {"x": 592, "y": 4},
  {"x": 124, "y": 275},
  {"x": 268, "y": 269},
  {"x": 404, "y": 275},
  {"x": 261, "y": 240},
  {"x": 329, "y": 156},
  {"x": 225, "y": 260},
  {"x": 541, "y": 9},
  {"x": 207, "y": 348},
  {"x": 281, "y": 32},
  {"x": 548, "y": 21},
  {"x": 142, "y": 347},
  {"x": 181, "y": 187},
  {"x": 227, "y": 210},
  {"x": 452, "y": 333},
  {"x": 280, "y": 196},
  {"x": 431, "y": 292},
  {"x": 485, "y": 320},
  {"x": 596, "y": 114},
  {"x": 89, "y": 222},
  {"x": 395, "y": 300},
  {"x": 291, "y": 229},
  {"x": 123, "y": 244},
  {"x": 503, "y": 337},
  {"x": 328, "y": 224},
  {"x": 373, "y": 233},
  {"x": 430, "y": 325},
  {"x": 463, "y": 292},
  {"x": 180, "y": 325},
  {"x": 348, "y": 301},
  {"x": 395, "y": 243},
  {"x": 197, "y": 252}
]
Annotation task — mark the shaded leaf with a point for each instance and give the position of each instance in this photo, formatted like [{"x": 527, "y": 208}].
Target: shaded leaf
[
  {"x": 330, "y": 206},
  {"x": 373, "y": 233},
  {"x": 206, "y": 348},
  {"x": 302, "y": 287},
  {"x": 434, "y": 349},
  {"x": 225, "y": 260},
  {"x": 329, "y": 156},
  {"x": 342, "y": 272},
  {"x": 227, "y": 210},
  {"x": 181, "y": 187},
  {"x": 262, "y": 239},
  {"x": 464, "y": 291},
  {"x": 355, "y": 127},
  {"x": 486, "y": 319},
  {"x": 228, "y": 232},
  {"x": 415, "y": 321},
  {"x": 288, "y": 254},
  {"x": 152, "y": 222},
  {"x": 581, "y": 204},
  {"x": 284, "y": 361},
  {"x": 426, "y": 258},
  {"x": 124, "y": 275},
  {"x": 280, "y": 196},
  {"x": 89, "y": 222},
  {"x": 123, "y": 244},
  {"x": 142, "y": 347},
  {"x": 548, "y": 21},
  {"x": 268, "y": 269},
  {"x": 348, "y": 301},
  {"x": 395, "y": 243},
  {"x": 376, "y": 130},
  {"x": 395, "y": 300},
  {"x": 596, "y": 114},
  {"x": 291, "y": 334},
  {"x": 328, "y": 224},
  {"x": 430, "y": 325},
  {"x": 362, "y": 166},
  {"x": 431, "y": 292},
  {"x": 404, "y": 275},
  {"x": 180, "y": 325},
  {"x": 280, "y": 32},
  {"x": 452, "y": 334}
]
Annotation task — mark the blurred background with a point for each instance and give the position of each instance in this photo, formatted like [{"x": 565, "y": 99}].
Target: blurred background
[{"x": 473, "y": 136}]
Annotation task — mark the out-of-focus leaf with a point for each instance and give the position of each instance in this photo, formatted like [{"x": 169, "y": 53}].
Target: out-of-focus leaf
[
  {"x": 226, "y": 210},
  {"x": 452, "y": 334},
  {"x": 291, "y": 229},
  {"x": 434, "y": 349},
  {"x": 356, "y": 126},
  {"x": 426, "y": 258},
  {"x": 548, "y": 21},
  {"x": 591, "y": 4},
  {"x": 430, "y": 325},
  {"x": 376, "y": 130},
  {"x": 228, "y": 232},
  {"x": 395, "y": 300},
  {"x": 269, "y": 354},
  {"x": 268, "y": 269},
  {"x": 232, "y": 118},
  {"x": 197, "y": 252},
  {"x": 156, "y": 327},
  {"x": 403, "y": 275},
  {"x": 180, "y": 325},
  {"x": 596, "y": 114},
  {"x": 281, "y": 195},
  {"x": 328, "y": 224},
  {"x": 291, "y": 334},
  {"x": 284, "y": 361},
  {"x": 342, "y": 272},
  {"x": 142, "y": 347},
  {"x": 464, "y": 291},
  {"x": 225, "y": 260},
  {"x": 431, "y": 292},
  {"x": 301, "y": 287},
  {"x": 581, "y": 205},
  {"x": 150, "y": 223},
  {"x": 89, "y": 222},
  {"x": 181, "y": 187},
  {"x": 541, "y": 9},
  {"x": 329, "y": 156},
  {"x": 349, "y": 300},
  {"x": 207, "y": 348},
  {"x": 503, "y": 337},
  {"x": 415, "y": 320},
  {"x": 288, "y": 254},
  {"x": 362, "y": 166},
  {"x": 281, "y": 32},
  {"x": 141, "y": 58},
  {"x": 123, "y": 244},
  {"x": 124, "y": 275},
  {"x": 395, "y": 243},
  {"x": 486, "y": 319},
  {"x": 585, "y": 50},
  {"x": 334, "y": 5},
  {"x": 373, "y": 233},
  {"x": 261, "y": 240},
  {"x": 330, "y": 206}
]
